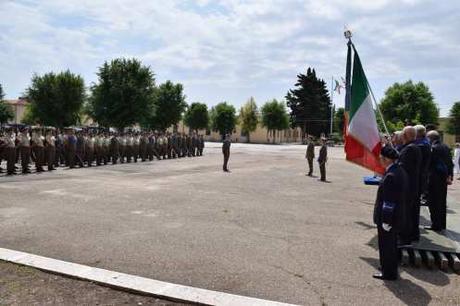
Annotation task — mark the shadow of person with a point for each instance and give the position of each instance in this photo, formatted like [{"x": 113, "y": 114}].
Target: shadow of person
[
  {"x": 365, "y": 225},
  {"x": 435, "y": 277},
  {"x": 405, "y": 290},
  {"x": 408, "y": 292}
]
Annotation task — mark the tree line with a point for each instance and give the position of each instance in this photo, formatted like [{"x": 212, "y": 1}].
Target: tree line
[{"x": 126, "y": 94}]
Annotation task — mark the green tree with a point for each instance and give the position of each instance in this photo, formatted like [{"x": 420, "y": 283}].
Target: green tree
[
  {"x": 6, "y": 113},
  {"x": 274, "y": 117},
  {"x": 124, "y": 94},
  {"x": 56, "y": 99},
  {"x": 453, "y": 125},
  {"x": 29, "y": 117},
  {"x": 310, "y": 104},
  {"x": 170, "y": 105},
  {"x": 409, "y": 103},
  {"x": 249, "y": 117},
  {"x": 223, "y": 118},
  {"x": 196, "y": 117},
  {"x": 339, "y": 120}
]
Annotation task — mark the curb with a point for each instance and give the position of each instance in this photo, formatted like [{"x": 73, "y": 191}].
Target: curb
[{"x": 132, "y": 283}]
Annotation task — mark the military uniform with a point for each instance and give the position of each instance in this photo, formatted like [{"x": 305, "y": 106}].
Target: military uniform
[
  {"x": 143, "y": 141},
  {"x": 50, "y": 150},
  {"x": 322, "y": 159},
  {"x": 10, "y": 152},
  {"x": 200, "y": 146},
  {"x": 136, "y": 147},
  {"x": 310, "y": 156},
  {"x": 226, "y": 152},
  {"x": 24, "y": 147},
  {"x": 114, "y": 148},
  {"x": 71, "y": 148},
  {"x": 39, "y": 150},
  {"x": 80, "y": 150}
]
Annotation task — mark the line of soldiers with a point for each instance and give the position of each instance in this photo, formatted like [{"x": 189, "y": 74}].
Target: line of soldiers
[
  {"x": 419, "y": 168},
  {"x": 78, "y": 148}
]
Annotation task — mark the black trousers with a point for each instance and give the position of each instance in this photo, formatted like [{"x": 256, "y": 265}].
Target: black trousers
[
  {"x": 226, "y": 158},
  {"x": 415, "y": 226},
  {"x": 388, "y": 252},
  {"x": 322, "y": 169},
  {"x": 310, "y": 166},
  {"x": 437, "y": 193}
]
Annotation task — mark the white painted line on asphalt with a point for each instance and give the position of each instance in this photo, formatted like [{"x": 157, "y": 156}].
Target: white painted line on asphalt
[{"x": 132, "y": 283}]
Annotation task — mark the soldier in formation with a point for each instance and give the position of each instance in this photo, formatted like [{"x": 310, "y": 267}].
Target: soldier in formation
[{"x": 50, "y": 147}]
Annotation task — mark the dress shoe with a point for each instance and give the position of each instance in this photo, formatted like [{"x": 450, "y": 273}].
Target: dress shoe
[
  {"x": 382, "y": 277},
  {"x": 431, "y": 228}
]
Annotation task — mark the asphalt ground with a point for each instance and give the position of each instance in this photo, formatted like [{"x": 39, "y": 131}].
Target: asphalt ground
[{"x": 264, "y": 230}]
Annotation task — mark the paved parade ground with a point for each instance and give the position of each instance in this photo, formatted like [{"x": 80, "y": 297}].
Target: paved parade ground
[{"x": 264, "y": 230}]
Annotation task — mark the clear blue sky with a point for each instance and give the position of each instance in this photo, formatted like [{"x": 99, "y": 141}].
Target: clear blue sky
[{"x": 229, "y": 50}]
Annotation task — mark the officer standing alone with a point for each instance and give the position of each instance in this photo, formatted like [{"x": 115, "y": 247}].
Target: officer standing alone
[{"x": 226, "y": 151}]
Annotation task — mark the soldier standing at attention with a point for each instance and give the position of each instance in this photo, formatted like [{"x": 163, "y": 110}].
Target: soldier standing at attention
[
  {"x": 10, "y": 151},
  {"x": 201, "y": 145},
  {"x": 143, "y": 146},
  {"x": 122, "y": 142},
  {"x": 80, "y": 152},
  {"x": 226, "y": 151},
  {"x": 24, "y": 146},
  {"x": 71, "y": 147},
  {"x": 50, "y": 149},
  {"x": 322, "y": 159},
  {"x": 114, "y": 148},
  {"x": 310, "y": 155},
  {"x": 388, "y": 212},
  {"x": 38, "y": 148},
  {"x": 136, "y": 145}
]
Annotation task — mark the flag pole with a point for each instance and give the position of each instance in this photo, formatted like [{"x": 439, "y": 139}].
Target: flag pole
[{"x": 332, "y": 105}]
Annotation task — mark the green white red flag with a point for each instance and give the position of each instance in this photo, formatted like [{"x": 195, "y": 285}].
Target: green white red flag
[{"x": 362, "y": 137}]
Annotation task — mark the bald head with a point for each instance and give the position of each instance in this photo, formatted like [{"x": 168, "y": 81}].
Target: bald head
[
  {"x": 409, "y": 134},
  {"x": 433, "y": 136}
]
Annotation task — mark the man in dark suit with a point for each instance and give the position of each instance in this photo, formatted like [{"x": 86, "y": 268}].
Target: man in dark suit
[
  {"x": 322, "y": 159},
  {"x": 389, "y": 212},
  {"x": 410, "y": 159},
  {"x": 310, "y": 155},
  {"x": 440, "y": 175},
  {"x": 226, "y": 151},
  {"x": 425, "y": 149}
]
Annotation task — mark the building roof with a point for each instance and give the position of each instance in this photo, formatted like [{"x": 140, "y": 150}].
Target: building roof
[{"x": 19, "y": 101}]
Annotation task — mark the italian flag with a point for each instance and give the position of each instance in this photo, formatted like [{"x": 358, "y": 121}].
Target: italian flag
[{"x": 362, "y": 137}]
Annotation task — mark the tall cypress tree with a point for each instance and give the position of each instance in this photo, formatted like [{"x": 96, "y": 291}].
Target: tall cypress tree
[{"x": 310, "y": 104}]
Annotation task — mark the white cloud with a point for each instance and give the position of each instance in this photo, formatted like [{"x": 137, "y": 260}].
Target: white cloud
[{"x": 232, "y": 49}]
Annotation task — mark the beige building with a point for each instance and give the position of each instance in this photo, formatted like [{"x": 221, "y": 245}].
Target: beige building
[
  {"x": 447, "y": 138},
  {"x": 19, "y": 107},
  {"x": 260, "y": 135}
]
